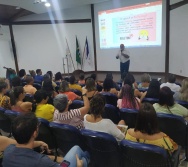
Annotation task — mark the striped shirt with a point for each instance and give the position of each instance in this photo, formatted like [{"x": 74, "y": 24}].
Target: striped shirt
[{"x": 72, "y": 117}]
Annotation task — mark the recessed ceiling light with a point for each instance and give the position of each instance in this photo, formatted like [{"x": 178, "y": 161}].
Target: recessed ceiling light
[{"x": 47, "y": 4}]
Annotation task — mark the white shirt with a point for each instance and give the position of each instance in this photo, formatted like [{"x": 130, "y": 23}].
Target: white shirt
[
  {"x": 105, "y": 125},
  {"x": 121, "y": 57},
  {"x": 174, "y": 87}
]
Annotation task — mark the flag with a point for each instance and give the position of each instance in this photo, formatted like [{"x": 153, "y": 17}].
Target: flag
[
  {"x": 78, "y": 58},
  {"x": 87, "y": 51}
]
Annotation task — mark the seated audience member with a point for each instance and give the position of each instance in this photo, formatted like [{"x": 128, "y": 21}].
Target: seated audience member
[
  {"x": 16, "y": 81},
  {"x": 128, "y": 80},
  {"x": 4, "y": 100},
  {"x": 58, "y": 77},
  {"x": 16, "y": 99},
  {"x": 25, "y": 130},
  {"x": 47, "y": 77},
  {"x": 147, "y": 130},
  {"x": 95, "y": 122},
  {"x": 109, "y": 75},
  {"x": 43, "y": 110},
  {"x": 132, "y": 79},
  {"x": 108, "y": 86},
  {"x": 127, "y": 98},
  {"x": 183, "y": 92},
  {"x": 73, "y": 85},
  {"x": 145, "y": 81},
  {"x": 91, "y": 88},
  {"x": 167, "y": 105},
  {"x": 81, "y": 80},
  {"x": 28, "y": 88},
  {"x": 32, "y": 73},
  {"x": 22, "y": 74},
  {"x": 99, "y": 85},
  {"x": 153, "y": 90},
  {"x": 72, "y": 117},
  {"x": 39, "y": 77},
  {"x": 48, "y": 87},
  {"x": 64, "y": 89},
  {"x": 171, "y": 83}
]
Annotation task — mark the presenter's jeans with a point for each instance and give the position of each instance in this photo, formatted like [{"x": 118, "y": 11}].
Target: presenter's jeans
[{"x": 124, "y": 68}]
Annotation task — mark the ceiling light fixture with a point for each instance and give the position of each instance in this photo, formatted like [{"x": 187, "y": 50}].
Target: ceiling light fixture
[{"x": 47, "y": 4}]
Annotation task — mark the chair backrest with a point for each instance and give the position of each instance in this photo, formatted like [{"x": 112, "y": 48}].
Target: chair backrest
[
  {"x": 45, "y": 133},
  {"x": 79, "y": 93},
  {"x": 136, "y": 154},
  {"x": 110, "y": 98},
  {"x": 12, "y": 114},
  {"x": 111, "y": 112},
  {"x": 142, "y": 89},
  {"x": 5, "y": 124},
  {"x": 150, "y": 100},
  {"x": 129, "y": 116},
  {"x": 29, "y": 98},
  {"x": 66, "y": 136},
  {"x": 103, "y": 149},
  {"x": 175, "y": 127},
  {"x": 2, "y": 109},
  {"x": 37, "y": 86},
  {"x": 183, "y": 103},
  {"x": 76, "y": 104}
]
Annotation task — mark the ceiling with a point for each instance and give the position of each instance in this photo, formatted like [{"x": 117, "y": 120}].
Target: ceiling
[{"x": 56, "y": 4}]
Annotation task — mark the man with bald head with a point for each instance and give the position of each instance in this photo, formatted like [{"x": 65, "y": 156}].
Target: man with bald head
[{"x": 124, "y": 57}]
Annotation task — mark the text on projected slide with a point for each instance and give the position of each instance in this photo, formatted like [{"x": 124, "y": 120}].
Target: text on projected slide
[{"x": 135, "y": 26}]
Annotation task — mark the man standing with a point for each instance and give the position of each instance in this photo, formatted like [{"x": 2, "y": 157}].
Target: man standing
[{"x": 124, "y": 57}]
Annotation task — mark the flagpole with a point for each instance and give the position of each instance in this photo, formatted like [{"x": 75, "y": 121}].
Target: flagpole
[
  {"x": 83, "y": 54},
  {"x": 70, "y": 54}
]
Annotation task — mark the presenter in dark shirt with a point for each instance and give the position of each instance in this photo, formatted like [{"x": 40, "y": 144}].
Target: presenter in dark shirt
[{"x": 124, "y": 57}]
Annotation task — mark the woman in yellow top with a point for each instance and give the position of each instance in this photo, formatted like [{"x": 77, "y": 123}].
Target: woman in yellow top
[
  {"x": 147, "y": 131},
  {"x": 43, "y": 110}
]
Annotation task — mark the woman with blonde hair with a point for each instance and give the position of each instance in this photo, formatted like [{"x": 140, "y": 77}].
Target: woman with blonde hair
[{"x": 183, "y": 93}]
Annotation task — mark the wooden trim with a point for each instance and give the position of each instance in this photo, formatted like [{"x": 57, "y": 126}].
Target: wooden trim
[
  {"x": 51, "y": 22},
  {"x": 14, "y": 48},
  {"x": 178, "y": 4},
  {"x": 94, "y": 37},
  {"x": 167, "y": 39}
]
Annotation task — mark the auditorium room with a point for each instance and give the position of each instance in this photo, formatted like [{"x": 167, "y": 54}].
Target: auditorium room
[{"x": 93, "y": 83}]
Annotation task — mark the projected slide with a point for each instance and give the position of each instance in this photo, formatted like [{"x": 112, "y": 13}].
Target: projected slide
[{"x": 134, "y": 26}]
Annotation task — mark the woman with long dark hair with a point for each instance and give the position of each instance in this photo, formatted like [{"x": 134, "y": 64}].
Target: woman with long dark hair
[
  {"x": 147, "y": 131},
  {"x": 127, "y": 98}
]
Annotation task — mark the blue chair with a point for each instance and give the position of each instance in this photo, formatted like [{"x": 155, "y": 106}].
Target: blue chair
[
  {"x": 37, "y": 86},
  {"x": 183, "y": 103},
  {"x": 135, "y": 154},
  {"x": 66, "y": 136},
  {"x": 142, "y": 89},
  {"x": 45, "y": 133},
  {"x": 76, "y": 104},
  {"x": 29, "y": 98},
  {"x": 129, "y": 116},
  {"x": 150, "y": 100},
  {"x": 111, "y": 112},
  {"x": 79, "y": 93},
  {"x": 110, "y": 98},
  {"x": 103, "y": 149},
  {"x": 5, "y": 125},
  {"x": 176, "y": 128},
  {"x": 12, "y": 114},
  {"x": 2, "y": 110}
]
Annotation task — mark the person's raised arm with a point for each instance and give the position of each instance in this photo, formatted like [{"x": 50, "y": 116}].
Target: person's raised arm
[
  {"x": 84, "y": 110},
  {"x": 125, "y": 55}
]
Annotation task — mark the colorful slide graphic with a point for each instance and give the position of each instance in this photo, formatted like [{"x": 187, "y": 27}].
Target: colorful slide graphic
[{"x": 135, "y": 26}]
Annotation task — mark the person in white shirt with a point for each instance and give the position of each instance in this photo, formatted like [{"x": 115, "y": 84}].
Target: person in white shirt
[
  {"x": 95, "y": 122},
  {"x": 171, "y": 83},
  {"x": 124, "y": 57}
]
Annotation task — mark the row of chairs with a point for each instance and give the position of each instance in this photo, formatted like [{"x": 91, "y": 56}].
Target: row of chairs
[{"x": 103, "y": 148}]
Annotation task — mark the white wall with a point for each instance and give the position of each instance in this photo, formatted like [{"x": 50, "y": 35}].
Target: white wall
[
  {"x": 44, "y": 46},
  {"x": 179, "y": 41},
  {"x": 145, "y": 59},
  {"x": 6, "y": 54}
]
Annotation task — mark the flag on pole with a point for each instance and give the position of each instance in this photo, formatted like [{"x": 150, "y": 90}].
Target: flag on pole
[
  {"x": 87, "y": 51},
  {"x": 78, "y": 58}
]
